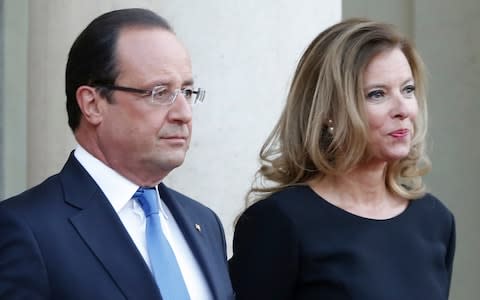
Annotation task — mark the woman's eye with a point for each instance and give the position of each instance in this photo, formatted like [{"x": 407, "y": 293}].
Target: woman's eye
[
  {"x": 377, "y": 94},
  {"x": 409, "y": 90}
]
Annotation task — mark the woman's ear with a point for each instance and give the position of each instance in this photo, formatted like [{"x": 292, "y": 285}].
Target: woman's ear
[{"x": 90, "y": 103}]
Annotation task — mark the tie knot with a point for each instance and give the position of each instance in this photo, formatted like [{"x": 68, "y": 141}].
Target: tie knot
[{"x": 147, "y": 197}]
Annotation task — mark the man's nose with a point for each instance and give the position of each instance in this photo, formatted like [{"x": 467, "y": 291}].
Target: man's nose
[{"x": 181, "y": 109}]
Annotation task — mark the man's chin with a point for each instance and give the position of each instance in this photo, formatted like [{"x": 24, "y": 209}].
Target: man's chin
[{"x": 173, "y": 161}]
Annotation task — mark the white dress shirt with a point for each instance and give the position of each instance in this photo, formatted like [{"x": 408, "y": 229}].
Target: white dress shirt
[{"x": 119, "y": 191}]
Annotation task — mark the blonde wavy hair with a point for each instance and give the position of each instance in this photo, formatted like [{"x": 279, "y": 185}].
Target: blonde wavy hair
[{"x": 328, "y": 85}]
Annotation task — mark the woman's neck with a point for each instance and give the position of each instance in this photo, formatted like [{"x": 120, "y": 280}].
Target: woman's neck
[{"x": 362, "y": 191}]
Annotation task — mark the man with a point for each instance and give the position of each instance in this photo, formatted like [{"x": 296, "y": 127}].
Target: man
[{"x": 86, "y": 233}]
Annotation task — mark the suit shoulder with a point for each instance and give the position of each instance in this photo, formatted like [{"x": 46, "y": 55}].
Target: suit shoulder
[{"x": 34, "y": 198}]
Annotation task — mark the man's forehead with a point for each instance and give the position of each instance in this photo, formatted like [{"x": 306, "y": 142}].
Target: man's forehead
[
  {"x": 151, "y": 41},
  {"x": 153, "y": 54}
]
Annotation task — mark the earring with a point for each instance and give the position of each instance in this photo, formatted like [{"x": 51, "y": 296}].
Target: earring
[{"x": 330, "y": 126}]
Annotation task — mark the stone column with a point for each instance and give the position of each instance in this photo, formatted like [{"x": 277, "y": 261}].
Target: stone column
[
  {"x": 13, "y": 115},
  {"x": 447, "y": 34}
]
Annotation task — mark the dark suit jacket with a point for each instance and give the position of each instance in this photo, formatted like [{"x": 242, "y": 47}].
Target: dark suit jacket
[{"x": 63, "y": 240}]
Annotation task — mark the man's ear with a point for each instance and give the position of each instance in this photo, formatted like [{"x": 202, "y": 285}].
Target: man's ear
[{"x": 90, "y": 104}]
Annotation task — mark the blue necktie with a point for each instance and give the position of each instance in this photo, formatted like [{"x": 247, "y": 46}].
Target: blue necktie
[{"x": 162, "y": 259}]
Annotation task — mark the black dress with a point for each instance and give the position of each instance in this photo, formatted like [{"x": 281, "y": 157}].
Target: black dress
[{"x": 296, "y": 245}]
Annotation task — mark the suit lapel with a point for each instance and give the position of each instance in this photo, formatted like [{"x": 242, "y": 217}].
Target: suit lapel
[
  {"x": 187, "y": 221},
  {"x": 102, "y": 230}
]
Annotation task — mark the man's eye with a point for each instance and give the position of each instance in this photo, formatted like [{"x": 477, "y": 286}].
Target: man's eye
[
  {"x": 188, "y": 93},
  {"x": 160, "y": 92}
]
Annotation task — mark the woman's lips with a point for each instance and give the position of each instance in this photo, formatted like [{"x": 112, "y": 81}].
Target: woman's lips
[{"x": 399, "y": 133}]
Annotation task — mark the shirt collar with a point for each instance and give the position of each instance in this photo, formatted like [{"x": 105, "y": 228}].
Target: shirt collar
[{"x": 118, "y": 189}]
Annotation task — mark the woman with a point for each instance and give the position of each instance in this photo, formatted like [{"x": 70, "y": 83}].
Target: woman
[{"x": 345, "y": 214}]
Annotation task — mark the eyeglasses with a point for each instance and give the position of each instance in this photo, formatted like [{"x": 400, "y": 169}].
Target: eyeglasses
[{"x": 160, "y": 95}]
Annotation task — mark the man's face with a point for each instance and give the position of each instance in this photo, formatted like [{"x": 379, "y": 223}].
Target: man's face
[{"x": 141, "y": 140}]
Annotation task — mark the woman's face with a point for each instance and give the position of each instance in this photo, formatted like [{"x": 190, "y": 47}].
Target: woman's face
[{"x": 390, "y": 105}]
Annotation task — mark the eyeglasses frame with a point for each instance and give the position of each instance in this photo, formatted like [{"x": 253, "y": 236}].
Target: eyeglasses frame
[{"x": 199, "y": 92}]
